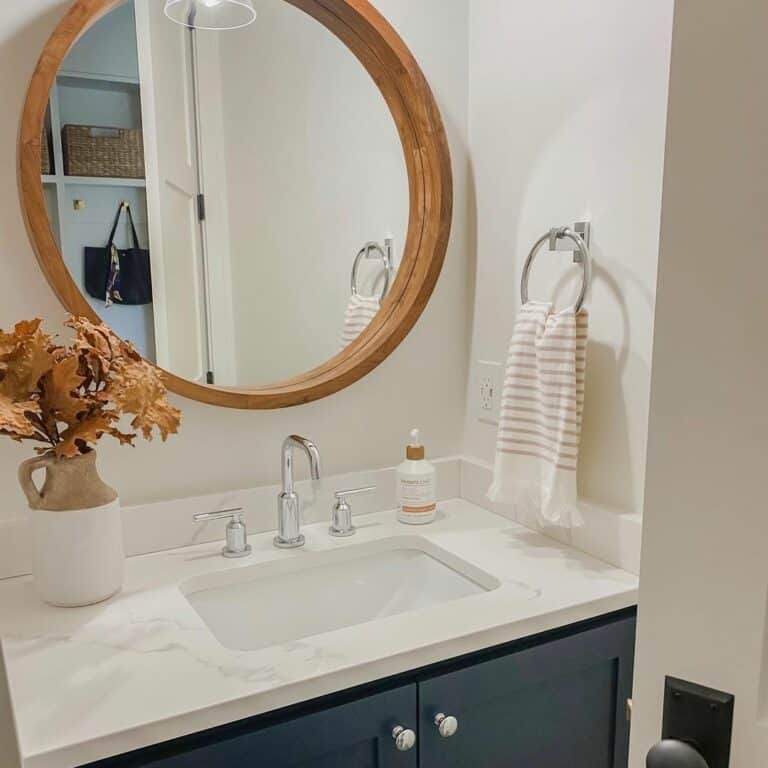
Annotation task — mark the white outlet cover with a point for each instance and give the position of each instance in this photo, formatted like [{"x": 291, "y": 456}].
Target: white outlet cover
[{"x": 487, "y": 391}]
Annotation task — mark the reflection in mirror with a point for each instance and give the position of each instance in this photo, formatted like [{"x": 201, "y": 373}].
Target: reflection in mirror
[{"x": 243, "y": 172}]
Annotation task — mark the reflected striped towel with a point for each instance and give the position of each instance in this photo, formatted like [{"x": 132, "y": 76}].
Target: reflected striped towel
[
  {"x": 359, "y": 313},
  {"x": 541, "y": 410}
]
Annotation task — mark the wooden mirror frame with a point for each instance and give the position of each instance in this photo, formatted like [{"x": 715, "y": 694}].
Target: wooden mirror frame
[{"x": 393, "y": 68}]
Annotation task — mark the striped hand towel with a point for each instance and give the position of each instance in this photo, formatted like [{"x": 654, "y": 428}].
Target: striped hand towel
[
  {"x": 359, "y": 313},
  {"x": 541, "y": 410}
]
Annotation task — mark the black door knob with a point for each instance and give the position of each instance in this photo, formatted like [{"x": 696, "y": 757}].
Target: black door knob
[{"x": 675, "y": 754}]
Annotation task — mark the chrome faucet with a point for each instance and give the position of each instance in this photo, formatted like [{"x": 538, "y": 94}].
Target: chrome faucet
[{"x": 289, "y": 534}]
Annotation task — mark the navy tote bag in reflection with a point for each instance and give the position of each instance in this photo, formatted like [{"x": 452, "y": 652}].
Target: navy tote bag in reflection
[{"x": 119, "y": 276}]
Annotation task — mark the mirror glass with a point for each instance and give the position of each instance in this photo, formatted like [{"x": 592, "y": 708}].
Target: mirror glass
[{"x": 244, "y": 172}]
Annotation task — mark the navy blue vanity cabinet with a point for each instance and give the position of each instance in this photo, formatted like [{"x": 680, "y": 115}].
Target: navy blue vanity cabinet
[
  {"x": 556, "y": 700},
  {"x": 353, "y": 735},
  {"x": 562, "y": 704}
]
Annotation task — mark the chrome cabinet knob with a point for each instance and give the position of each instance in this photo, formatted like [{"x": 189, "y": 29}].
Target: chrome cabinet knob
[
  {"x": 447, "y": 725},
  {"x": 675, "y": 754},
  {"x": 405, "y": 738}
]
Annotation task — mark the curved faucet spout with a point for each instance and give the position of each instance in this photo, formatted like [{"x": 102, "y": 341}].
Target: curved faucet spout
[
  {"x": 289, "y": 534},
  {"x": 296, "y": 441}
]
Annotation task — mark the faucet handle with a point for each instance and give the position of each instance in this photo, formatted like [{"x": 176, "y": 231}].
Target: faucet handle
[
  {"x": 223, "y": 514},
  {"x": 341, "y": 522},
  {"x": 354, "y": 492},
  {"x": 236, "y": 533}
]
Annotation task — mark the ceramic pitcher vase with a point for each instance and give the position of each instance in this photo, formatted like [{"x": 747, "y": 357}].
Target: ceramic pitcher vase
[{"x": 77, "y": 537}]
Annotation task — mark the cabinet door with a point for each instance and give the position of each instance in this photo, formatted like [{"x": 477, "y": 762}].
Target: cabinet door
[
  {"x": 354, "y": 735},
  {"x": 557, "y": 705}
]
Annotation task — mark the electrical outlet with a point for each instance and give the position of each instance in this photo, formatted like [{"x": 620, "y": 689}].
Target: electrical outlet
[
  {"x": 488, "y": 390},
  {"x": 486, "y": 394}
]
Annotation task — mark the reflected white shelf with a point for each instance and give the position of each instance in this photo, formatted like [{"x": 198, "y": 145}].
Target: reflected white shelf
[
  {"x": 98, "y": 77},
  {"x": 103, "y": 181},
  {"x": 94, "y": 181}
]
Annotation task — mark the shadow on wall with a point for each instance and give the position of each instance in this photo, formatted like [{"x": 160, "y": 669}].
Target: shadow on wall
[
  {"x": 471, "y": 273},
  {"x": 605, "y": 439}
]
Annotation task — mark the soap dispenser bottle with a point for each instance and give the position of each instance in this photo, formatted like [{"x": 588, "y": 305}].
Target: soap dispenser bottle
[{"x": 416, "y": 486}]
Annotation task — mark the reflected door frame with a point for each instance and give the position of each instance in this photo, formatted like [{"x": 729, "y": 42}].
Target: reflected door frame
[{"x": 208, "y": 339}]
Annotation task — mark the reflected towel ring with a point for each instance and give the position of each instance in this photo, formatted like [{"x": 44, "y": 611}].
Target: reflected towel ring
[
  {"x": 372, "y": 251},
  {"x": 581, "y": 256}
]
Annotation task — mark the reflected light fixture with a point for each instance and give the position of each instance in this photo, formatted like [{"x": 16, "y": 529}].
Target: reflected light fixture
[{"x": 211, "y": 14}]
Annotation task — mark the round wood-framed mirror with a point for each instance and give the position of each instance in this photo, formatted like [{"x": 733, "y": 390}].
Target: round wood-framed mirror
[{"x": 418, "y": 124}]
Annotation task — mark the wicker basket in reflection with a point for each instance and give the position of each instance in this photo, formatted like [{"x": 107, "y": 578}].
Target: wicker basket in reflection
[
  {"x": 45, "y": 155},
  {"x": 93, "y": 151}
]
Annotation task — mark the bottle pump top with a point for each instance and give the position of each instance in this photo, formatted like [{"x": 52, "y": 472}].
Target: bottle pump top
[{"x": 415, "y": 450}]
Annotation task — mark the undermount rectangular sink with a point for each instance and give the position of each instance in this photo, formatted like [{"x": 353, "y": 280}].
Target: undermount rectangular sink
[{"x": 252, "y": 608}]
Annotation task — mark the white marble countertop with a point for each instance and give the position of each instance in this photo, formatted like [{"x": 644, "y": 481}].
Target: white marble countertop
[{"x": 142, "y": 668}]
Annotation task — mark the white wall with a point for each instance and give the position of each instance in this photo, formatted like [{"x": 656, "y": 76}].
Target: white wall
[
  {"x": 9, "y": 749},
  {"x": 703, "y": 572},
  {"x": 314, "y": 170},
  {"x": 424, "y": 382},
  {"x": 567, "y": 121}
]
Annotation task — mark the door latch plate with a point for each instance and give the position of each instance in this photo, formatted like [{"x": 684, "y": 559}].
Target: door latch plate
[{"x": 700, "y": 716}]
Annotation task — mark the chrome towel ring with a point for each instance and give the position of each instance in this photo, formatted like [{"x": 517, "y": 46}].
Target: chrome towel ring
[
  {"x": 580, "y": 256},
  {"x": 373, "y": 251}
]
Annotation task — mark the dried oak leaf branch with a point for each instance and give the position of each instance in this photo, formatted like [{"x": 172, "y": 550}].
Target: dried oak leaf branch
[{"x": 68, "y": 397}]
